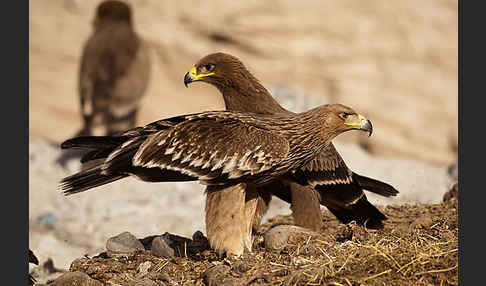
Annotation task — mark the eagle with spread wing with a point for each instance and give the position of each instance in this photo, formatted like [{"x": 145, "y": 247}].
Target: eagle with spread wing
[
  {"x": 231, "y": 152},
  {"x": 325, "y": 179}
]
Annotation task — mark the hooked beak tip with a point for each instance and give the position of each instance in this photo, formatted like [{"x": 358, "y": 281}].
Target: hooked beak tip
[
  {"x": 368, "y": 127},
  {"x": 187, "y": 79}
]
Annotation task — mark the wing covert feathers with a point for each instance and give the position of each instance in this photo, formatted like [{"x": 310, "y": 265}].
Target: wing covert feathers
[{"x": 213, "y": 150}]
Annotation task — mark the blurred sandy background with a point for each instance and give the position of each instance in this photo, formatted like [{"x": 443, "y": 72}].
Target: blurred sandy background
[{"x": 394, "y": 61}]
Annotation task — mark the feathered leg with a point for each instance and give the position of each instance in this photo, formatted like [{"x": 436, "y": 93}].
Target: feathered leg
[
  {"x": 263, "y": 200},
  {"x": 305, "y": 207},
  {"x": 226, "y": 223},
  {"x": 253, "y": 203}
]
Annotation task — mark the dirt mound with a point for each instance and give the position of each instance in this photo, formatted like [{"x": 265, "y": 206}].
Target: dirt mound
[{"x": 418, "y": 246}]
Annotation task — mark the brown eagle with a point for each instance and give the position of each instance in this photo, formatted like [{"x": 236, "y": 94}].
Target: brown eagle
[
  {"x": 230, "y": 152},
  {"x": 326, "y": 179},
  {"x": 114, "y": 74}
]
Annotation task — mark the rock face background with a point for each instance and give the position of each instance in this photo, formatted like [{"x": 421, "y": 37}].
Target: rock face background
[{"x": 395, "y": 62}]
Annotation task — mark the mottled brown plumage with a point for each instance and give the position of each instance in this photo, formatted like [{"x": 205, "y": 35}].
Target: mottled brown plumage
[
  {"x": 114, "y": 73},
  {"x": 221, "y": 149},
  {"x": 338, "y": 188}
]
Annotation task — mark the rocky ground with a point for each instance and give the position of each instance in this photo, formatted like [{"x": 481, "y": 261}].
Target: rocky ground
[{"x": 418, "y": 246}]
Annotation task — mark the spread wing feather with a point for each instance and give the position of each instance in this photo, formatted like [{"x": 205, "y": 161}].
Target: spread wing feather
[
  {"x": 341, "y": 190},
  {"x": 210, "y": 148},
  {"x": 329, "y": 169}
]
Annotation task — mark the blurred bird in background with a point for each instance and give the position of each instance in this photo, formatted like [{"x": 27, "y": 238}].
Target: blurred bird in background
[{"x": 114, "y": 74}]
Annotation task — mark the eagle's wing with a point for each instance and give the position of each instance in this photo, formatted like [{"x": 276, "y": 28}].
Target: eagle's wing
[
  {"x": 328, "y": 169},
  {"x": 211, "y": 148},
  {"x": 341, "y": 190}
]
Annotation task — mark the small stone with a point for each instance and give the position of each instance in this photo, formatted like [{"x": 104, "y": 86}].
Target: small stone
[
  {"x": 277, "y": 237},
  {"x": 123, "y": 243},
  {"x": 75, "y": 279},
  {"x": 143, "y": 268},
  {"x": 299, "y": 261},
  {"x": 160, "y": 248}
]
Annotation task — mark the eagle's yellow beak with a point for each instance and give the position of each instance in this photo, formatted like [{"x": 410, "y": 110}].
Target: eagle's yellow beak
[
  {"x": 192, "y": 76},
  {"x": 360, "y": 122}
]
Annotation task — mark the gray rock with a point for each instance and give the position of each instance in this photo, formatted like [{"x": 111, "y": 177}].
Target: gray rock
[
  {"x": 75, "y": 279},
  {"x": 123, "y": 243},
  {"x": 277, "y": 237},
  {"x": 160, "y": 248}
]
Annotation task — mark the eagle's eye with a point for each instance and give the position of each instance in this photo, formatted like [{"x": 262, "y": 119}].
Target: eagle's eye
[
  {"x": 344, "y": 115},
  {"x": 208, "y": 68}
]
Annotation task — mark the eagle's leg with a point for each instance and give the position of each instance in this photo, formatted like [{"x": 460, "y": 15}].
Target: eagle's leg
[
  {"x": 305, "y": 207},
  {"x": 255, "y": 208},
  {"x": 226, "y": 223},
  {"x": 263, "y": 200}
]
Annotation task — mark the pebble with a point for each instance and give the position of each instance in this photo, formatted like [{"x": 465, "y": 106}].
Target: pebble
[
  {"x": 143, "y": 268},
  {"x": 160, "y": 248},
  {"x": 277, "y": 237},
  {"x": 123, "y": 243}
]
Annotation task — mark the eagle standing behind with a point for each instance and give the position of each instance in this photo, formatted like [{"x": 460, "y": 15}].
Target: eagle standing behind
[
  {"x": 113, "y": 76},
  {"x": 231, "y": 152},
  {"x": 326, "y": 180},
  {"x": 114, "y": 73}
]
